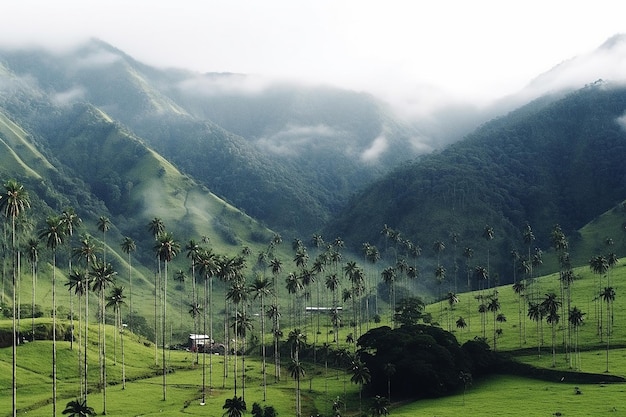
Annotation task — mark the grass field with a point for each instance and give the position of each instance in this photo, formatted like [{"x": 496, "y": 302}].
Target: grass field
[{"x": 502, "y": 395}]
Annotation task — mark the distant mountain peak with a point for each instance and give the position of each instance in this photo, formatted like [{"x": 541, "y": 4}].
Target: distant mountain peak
[{"x": 613, "y": 42}]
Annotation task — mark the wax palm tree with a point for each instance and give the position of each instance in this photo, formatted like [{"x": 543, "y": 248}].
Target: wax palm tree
[
  {"x": 33, "y": 258},
  {"x": 13, "y": 202},
  {"x": 389, "y": 369},
  {"x": 536, "y": 314},
  {"x": 360, "y": 375},
  {"x": 78, "y": 408},
  {"x": 599, "y": 265},
  {"x": 86, "y": 252},
  {"x": 208, "y": 266},
  {"x": 166, "y": 249},
  {"x": 273, "y": 313},
  {"x": 461, "y": 323},
  {"x": 519, "y": 289},
  {"x": 380, "y": 406},
  {"x": 237, "y": 294},
  {"x": 551, "y": 305},
  {"x": 78, "y": 282},
  {"x": 293, "y": 283},
  {"x": 180, "y": 276},
  {"x": 576, "y": 318},
  {"x": 193, "y": 253},
  {"x": 235, "y": 407},
  {"x": 115, "y": 300},
  {"x": 70, "y": 221},
  {"x": 388, "y": 276},
  {"x": 493, "y": 306},
  {"x": 102, "y": 275},
  {"x": 242, "y": 324},
  {"x": 453, "y": 300},
  {"x": 608, "y": 296},
  {"x": 52, "y": 233},
  {"x": 128, "y": 247},
  {"x": 104, "y": 225},
  {"x": 488, "y": 236},
  {"x": 261, "y": 288},
  {"x": 297, "y": 341}
]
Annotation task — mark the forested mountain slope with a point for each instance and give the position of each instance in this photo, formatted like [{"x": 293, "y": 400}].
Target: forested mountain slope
[
  {"x": 554, "y": 161},
  {"x": 286, "y": 154}
]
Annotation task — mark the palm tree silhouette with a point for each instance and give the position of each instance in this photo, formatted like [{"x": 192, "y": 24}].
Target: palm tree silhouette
[
  {"x": 13, "y": 202},
  {"x": 360, "y": 375},
  {"x": 33, "y": 258},
  {"x": 261, "y": 288},
  {"x": 53, "y": 235},
  {"x": 78, "y": 282},
  {"x": 576, "y": 318},
  {"x": 380, "y": 406},
  {"x": 78, "y": 408},
  {"x": 166, "y": 249},
  {"x": 235, "y": 407},
  {"x": 551, "y": 305},
  {"x": 297, "y": 340},
  {"x": 102, "y": 275},
  {"x": 608, "y": 296},
  {"x": 116, "y": 300},
  {"x": 128, "y": 247},
  {"x": 86, "y": 252}
]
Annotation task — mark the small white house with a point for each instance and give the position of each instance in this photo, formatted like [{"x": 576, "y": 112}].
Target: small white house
[{"x": 198, "y": 342}]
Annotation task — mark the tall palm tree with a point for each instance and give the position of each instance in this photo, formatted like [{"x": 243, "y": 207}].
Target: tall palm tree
[
  {"x": 156, "y": 228},
  {"x": 193, "y": 252},
  {"x": 273, "y": 313},
  {"x": 297, "y": 372},
  {"x": 53, "y": 235},
  {"x": 493, "y": 306},
  {"x": 261, "y": 288},
  {"x": 536, "y": 314},
  {"x": 128, "y": 247},
  {"x": 519, "y": 289},
  {"x": 237, "y": 294},
  {"x": 78, "y": 281},
  {"x": 389, "y": 277},
  {"x": 13, "y": 202},
  {"x": 104, "y": 225},
  {"x": 70, "y": 221},
  {"x": 208, "y": 266},
  {"x": 488, "y": 236},
  {"x": 115, "y": 300},
  {"x": 600, "y": 266},
  {"x": 166, "y": 249},
  {"x": 33, "y": 258},
  {"x": 360, "y": 375},
  {"x": 86, "y": 252},
  {"x": 551, "y": 305},
  {"x": 576, "y": 318},
  {"x": 608, "y": 296},
  {"x": 453, "y": 300},
  {"x": 241, "y": 325},
  {"x": 297, "y": 340},
  {"x": 389, "y": 369},
  {"x": 102, "y": 275}
]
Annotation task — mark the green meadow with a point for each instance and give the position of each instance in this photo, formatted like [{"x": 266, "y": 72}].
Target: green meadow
[{"x": 527, "y": 341}]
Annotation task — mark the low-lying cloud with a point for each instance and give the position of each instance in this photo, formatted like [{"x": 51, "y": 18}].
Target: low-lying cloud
[
  {"x": 295, "y": 139},
  {"x": 224, "y": 84}
]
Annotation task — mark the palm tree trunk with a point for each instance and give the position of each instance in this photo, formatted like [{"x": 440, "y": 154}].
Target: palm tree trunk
[
  {"x": 54, "y": 337},
  {"x": 164, "y": 324}
]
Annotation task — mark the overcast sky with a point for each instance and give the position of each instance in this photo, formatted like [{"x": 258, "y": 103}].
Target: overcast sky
[{"x": 476, "y": 49}]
